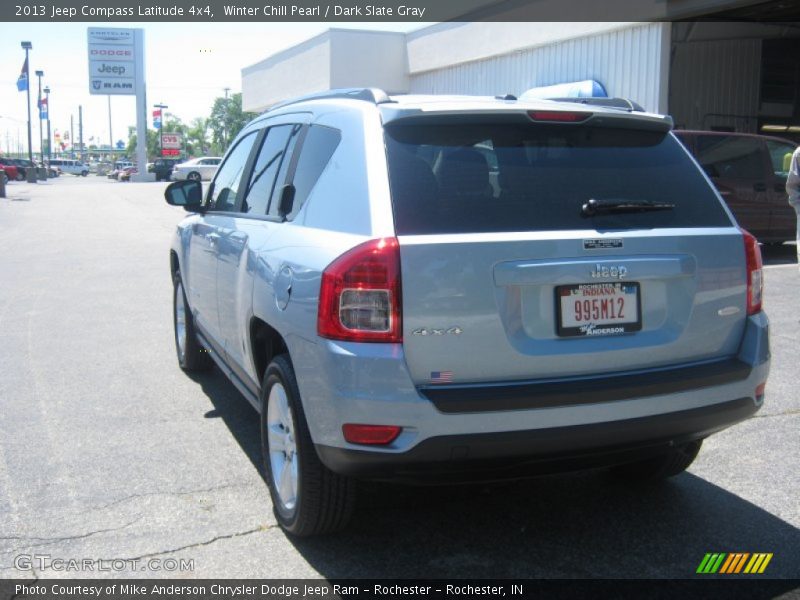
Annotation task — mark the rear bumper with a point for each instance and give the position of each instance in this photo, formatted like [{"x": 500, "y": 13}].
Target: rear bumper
[
  {"x": 495, "y": 430},
  {"x": 502, "y": 455}
]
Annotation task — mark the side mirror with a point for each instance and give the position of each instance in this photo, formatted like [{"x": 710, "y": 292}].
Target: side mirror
[
  {"x": 287, "y": 200},
  {"x": 188, "y": 194}
]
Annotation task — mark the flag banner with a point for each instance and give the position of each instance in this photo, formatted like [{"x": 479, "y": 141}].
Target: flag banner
[
  {"x": 43, "y": 109},
  {"x": 22, "y": 80}
]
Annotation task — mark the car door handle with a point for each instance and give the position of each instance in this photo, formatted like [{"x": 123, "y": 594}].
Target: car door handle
[{"x": 760, "y": 187}]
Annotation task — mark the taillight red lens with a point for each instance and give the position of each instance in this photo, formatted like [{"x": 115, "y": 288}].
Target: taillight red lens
[
  {"x": 558, "y": 116},
  {"x": 373, "y": 435},
  {"x": 755, "y": 273},
  {"x": 359, "y": 298}
]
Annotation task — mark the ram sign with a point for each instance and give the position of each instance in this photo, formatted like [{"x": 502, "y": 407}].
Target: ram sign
[{"x": 112, "y": 61}]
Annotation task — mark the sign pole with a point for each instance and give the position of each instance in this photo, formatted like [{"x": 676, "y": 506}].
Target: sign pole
[
  {"x": 110, "y": 134},
  {"x": 141, "y": 109}
]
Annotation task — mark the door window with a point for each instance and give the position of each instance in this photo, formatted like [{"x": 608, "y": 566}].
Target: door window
[
  {"x": 225, "y": 187},
  {"x": 318, "y": 147},
  {"x": 271, "y": 162},
  {"x": 730, "y": 156},
  {"x": 777, "y": 154}
]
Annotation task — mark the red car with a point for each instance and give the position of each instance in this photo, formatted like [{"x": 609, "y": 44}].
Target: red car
[{"x": 11, "y": 171}]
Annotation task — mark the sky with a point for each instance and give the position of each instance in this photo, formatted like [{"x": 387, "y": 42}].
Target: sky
[{"x": 188, "y": 65}]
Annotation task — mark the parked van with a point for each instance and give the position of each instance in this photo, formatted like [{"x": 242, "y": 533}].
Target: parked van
[
  {"x": 71, "y": 166},
  {"x": 748, "y": 171}
]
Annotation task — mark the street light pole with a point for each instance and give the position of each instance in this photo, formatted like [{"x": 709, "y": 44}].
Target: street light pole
[
  {"x": 161, "y": 108},
  {"x": 225, "y": 122},
  {"x": 49, "y": 141},
  {"x": 39, "y": 75},
  {"x": 28, "y": 46}
]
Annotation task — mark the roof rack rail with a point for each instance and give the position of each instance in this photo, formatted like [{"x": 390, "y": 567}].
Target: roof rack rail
[
  {"x": 373, "y": 95},
  {"x": 619, "y": 103}
]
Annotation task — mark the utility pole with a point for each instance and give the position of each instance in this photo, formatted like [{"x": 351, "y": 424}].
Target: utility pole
[
  {"x": 80, "y": 132},
  {"x": 225, "y": 122},
  {"x": 72, "y": 136}
]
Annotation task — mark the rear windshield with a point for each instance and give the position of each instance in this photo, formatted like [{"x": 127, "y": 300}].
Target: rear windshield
[{"x": 457, "y": 178}]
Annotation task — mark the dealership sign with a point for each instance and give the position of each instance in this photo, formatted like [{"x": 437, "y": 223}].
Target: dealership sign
[{"x": 112, "y": 61}]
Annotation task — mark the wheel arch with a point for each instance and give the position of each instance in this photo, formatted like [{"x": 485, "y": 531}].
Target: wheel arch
[
  {"x": 174, "y": 264},
  {"x": 265, "y": 343}
]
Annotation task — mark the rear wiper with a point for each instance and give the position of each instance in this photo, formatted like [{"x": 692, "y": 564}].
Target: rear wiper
[{"x": 594, "y": 207}]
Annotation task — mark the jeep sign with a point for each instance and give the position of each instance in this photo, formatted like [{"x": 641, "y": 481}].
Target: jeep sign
[
  {"x": 112, "y": 61},
  {"x": 109, "y": 69}
]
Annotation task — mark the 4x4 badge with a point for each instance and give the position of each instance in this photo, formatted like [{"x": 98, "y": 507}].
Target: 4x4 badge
[{"x": 435, "y": 331}]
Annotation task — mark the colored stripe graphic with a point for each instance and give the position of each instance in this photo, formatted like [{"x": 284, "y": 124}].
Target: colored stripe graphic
[
  {"x": 758, "y": 563},
  {"x": 733, "y": 563},
  {"x": 711, "y": 562}
]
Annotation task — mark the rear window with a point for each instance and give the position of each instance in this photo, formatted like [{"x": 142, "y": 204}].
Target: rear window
[{"x": 528, "y": 177}]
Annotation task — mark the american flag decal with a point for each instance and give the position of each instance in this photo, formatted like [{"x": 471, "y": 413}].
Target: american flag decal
[{"x": 441, "y": 376}]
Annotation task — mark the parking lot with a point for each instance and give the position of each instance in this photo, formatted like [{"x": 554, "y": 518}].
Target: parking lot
[{"x": 109, "y": 451}]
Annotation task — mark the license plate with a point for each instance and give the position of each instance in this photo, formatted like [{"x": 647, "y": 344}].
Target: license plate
[{"x": 595, "y": 309}]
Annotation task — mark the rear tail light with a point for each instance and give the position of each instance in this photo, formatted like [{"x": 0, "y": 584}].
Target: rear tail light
[
  {"x": 359, "y": 298},
  {"x": 755, "y": 273},
  {"x": 558, "y": 116},
  {"x": 373, "y": 435}
]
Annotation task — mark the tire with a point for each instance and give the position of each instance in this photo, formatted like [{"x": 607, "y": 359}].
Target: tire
[
  {"x": 308, "y": 499},
  {"x": 194, "y": 176},
  {"x": 657, "y": 468},
  {"x": 84, "y": 173},
  {"x": 191, "y": 354},
  {"x": 20, "y": 176}
]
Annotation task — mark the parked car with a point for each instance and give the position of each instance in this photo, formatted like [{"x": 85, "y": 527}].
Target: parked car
[
  {"x": 196, "y": 169},
  {"x": 22, "y": 165},
  {"x": 391, "y": 314},
  {"x": 69, "y": 165},
  {"x": 125, "y": 174},
  {"x": 749, "y": 173},
  {"x": 163, "y": 167},
  {"x": 10, "y": 171},
  {"x": 119, "y": 167}
]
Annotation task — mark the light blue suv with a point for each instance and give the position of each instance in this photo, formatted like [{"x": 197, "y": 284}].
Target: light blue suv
[{"x": 441, "y": 287}]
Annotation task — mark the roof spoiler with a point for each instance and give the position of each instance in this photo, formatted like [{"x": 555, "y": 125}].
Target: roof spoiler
[{"x": 372, "y": 95}]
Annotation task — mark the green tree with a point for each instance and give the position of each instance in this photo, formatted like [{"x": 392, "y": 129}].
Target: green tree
[
  {"x": 152, "y": 142},
  {"x": 226, "y": 121},
  {"x": 197, "y": 137}
]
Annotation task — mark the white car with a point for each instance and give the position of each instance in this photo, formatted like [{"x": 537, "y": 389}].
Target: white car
[
  {"x": 66, "y": 165},
  {"x": 197, "y": 169}
]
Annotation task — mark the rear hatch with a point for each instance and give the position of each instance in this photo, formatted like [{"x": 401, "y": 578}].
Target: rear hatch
[{"x": 540, "y": 250}]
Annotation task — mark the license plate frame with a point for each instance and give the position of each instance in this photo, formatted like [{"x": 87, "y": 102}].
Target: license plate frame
[{"x": 628, "y": 290}]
